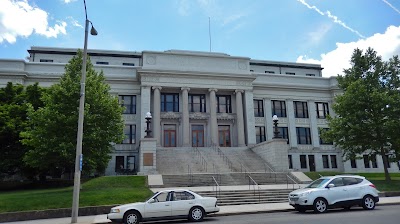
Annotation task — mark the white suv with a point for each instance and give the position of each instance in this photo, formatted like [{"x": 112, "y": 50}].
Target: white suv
[{"x": 335, "y": 191}]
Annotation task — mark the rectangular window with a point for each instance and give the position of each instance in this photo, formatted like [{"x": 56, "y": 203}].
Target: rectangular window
[
  {"x": 130, "y": 134},
  {"x": 321, "y": 141},
  {"x": 270, "y": 72},
  {"x": 333, "y": 161},
  {"x": 373, "y": 160},
  {"x": 353, "y": 163},
  {"x": 303, "y": 136},
  {"x": 325, "y": 161},
  {"x": 169, "y": 102},
  {"x": 197, "y": 103},
  {"x": 366, "y": 161},
  {"x": 258, "y": 108},
  {"x": 283, "y": 133},
  {"x": 310, "y": 74},
  {"x": 129, "y": 103},
  {"x": 224, "y": 104},
  {"x": 303, "y": 161},
  {"x": 300, "y": 109},
  {"x": 260, "y": 134},
  {"x": 290, "y": 73},
  {"x": 322, "y": 110},
  {"x": 290, "y": 162},
  {"x": 278, "y": 108},
  {"x": 46, "y": 60},
  {"x": 101, "y": 63},
  {"x": 119, "y": 163},
  {"x": 128, "y": 64}
]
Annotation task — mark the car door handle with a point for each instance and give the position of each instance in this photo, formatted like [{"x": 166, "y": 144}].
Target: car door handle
[
  {"x": 191, "y": 203},
  {"x": 166, "y": 205}
]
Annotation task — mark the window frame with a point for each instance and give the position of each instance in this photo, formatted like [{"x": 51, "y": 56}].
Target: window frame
[
  {"x": 304, "y": 109},
  {"x": 322, "y": 112},
  {"x": 325, "y": 161},
  {"x": 202, "y": 104},
  {"x": 129, "y": 108},
  {"x": 164, "y": 103},
  {"x": 284, "y": 133},
  {"x": 131, "y": 136},
  {"x": 303, "y": 133},
  {"x": 260, "y": 134},
  {"x": 227, "y": 105},
  {"x": 258, "y": 112},
  {"x": 280, "y": 112},
  {"x": 303, "y": 162}
]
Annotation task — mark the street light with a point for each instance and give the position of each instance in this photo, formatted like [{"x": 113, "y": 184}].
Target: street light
[
  {"x": 148, "y": 121},
  {"x": 79, "y": 156},
  {"x": 275, "y": 119}
]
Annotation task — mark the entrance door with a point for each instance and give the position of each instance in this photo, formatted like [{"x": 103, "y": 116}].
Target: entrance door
[
  {"x": 169, "y": 135},
  {"x": 224, "y": 135},
  {"x": 311, "y": 162},
  {"x": 197, "y": 135}
]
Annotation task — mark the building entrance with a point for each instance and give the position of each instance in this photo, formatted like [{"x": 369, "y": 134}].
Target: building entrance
[
  {"x": 169, "y": 135},
  {"x": 197, "y": 135},
  {"x": 224, "y": 135}
]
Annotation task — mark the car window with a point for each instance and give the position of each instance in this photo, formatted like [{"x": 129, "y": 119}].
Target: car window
[
  {"x": 162, "y": 197},
  {"x": 318, "y": 183},
  {"x": 338, "y": 182},
  {"x": 352, "y": 180},
  {"x": 183, "y": 195}
]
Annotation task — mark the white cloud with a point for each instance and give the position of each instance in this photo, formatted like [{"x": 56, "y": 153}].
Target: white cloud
[
  {"x": 183, "y": 7},
  {"x": 391, "y": 6},
  {"x": 69, "y": 1},
  {"x": 331, "y": 16},
  {"x": 18, "y": 18},
  {"x": 315, "y": 37},
  {"x": 74, "y": 22},
  {"x": 333, "y": 62}
]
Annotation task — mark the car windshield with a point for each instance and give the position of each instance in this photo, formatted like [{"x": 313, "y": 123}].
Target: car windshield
[{"x": 318, "y": 183}]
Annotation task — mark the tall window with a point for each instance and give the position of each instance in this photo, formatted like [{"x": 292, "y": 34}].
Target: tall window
[
  {"x": 322, "y": 110},
  {"x": 260, "y": 134},
  {"x": 130, "y": 134},
  {"x": 278, "y": 108},
  {"x": 169, "y": 135},
  {"x": 303, "y": 161},
  {"x": 325, "y": 161},
  {"x": 197, "y": 103},
  {"x": 290, "y": 162},
  {"x": 283, "y": 133},
  {"x": 373, "y": 160},
  {"x": 170, "y": 102},
  {"x": 300, "y": 109},
  {"x": 333, "y": 161},
  {"x": 366, "y": 161},
  {"x": 321, "y": 140},
  {"x": 353, "y": 163},
  {"x": 129, "y": 102},
  {"x": 119, "y": 163},
  {"x": 224, "y": 104},
  {"x": 258, "y": 108},
  {"x": 303, "y": 136}
]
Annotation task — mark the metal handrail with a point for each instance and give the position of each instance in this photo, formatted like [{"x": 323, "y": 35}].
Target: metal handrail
[
  {"x": 254, "y": 190},
  {"x": 294, "y": 182},
  {"x": 190, "y": 174},
  {"x": 203, "y": 161},
  {"x": 217, "y": 187},
  {"x": 224, "y": 157}
]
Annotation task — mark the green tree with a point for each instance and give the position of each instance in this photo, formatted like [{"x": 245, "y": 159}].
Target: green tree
[
  {"x": 52, "y": 131},
  {"x": 367, "y": 113},
  {"x": 14, "y": 100}
]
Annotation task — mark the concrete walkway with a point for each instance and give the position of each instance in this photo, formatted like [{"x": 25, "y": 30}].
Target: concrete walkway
[{"x": 224, "y": 210}]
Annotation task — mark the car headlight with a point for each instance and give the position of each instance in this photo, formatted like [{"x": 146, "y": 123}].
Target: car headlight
[
  {"x": 305, "y": 194},
  {"x": 115, "y": 210}
]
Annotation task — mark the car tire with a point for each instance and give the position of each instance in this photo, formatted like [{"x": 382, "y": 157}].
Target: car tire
[
  {"x": 320, "y": 205},
  {"x": 196, "y": 214},
  {"x": 368, "y": 202},
  {"x": 132, "y": 217}
]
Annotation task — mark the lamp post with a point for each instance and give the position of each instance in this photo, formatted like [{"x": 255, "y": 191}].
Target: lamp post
[
  {"x": 148, "y": 121},
  {"x": 275, "y": 119},
  {"x": 79, "y": 156}
]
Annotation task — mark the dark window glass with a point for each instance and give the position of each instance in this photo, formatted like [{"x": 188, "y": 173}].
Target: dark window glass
[
  {"x": 338, "y": 182},
  {"x": 321, "y": 140},
  {"x": 129, "y": 102},
  {"x": 353, "y": 163},
  {"x": 366, "y": 161},
  {"x": 197, "y": 103},
  {"x": 325, "y": 161},
  {"x": 260, "y": 134},
  {"x": 278, "y": 108},
  {"x": 322, "y": 110},
  {"x": 351, "y": 180},
  {"x": 310, "y": 74},
  {"x": 128, "y": 64},
  {"x": 300, "y": 109},
  {"x": 333, "y": 161},
  {"x": 224, "y": 104},
  {"x": 46, "y": 60},
  {"x": 373, "y": 160},
  {"x": 303, "y": 136},
  {"x": 258, "y": 108},
  {"x": 303, "y": 161},
  {"x": 290, "y": 73},
  {"x": 101, "y": 62},
  {"x": 130, "y": 134},
  {"x": 290, "y": 162},
  {"x": 283, "y": 133},
  {"x": 119, "y": 163},
  {"x": 270, "y": 72},
  {"x": 170, "y": 102}
]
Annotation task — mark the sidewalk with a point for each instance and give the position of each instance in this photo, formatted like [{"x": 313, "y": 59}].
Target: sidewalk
[{"x": 225, "y": 210}]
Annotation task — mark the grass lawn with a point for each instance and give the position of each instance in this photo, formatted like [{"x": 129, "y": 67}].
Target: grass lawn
[
  {"x": 378, "y": 179},
  {"x": 95, "y": 192}
]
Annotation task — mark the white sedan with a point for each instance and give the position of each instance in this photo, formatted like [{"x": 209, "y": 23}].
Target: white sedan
[{"x": 168, "y": 204}]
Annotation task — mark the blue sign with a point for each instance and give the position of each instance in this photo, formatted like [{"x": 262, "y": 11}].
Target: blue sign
[{"x": 80, "y": 162}]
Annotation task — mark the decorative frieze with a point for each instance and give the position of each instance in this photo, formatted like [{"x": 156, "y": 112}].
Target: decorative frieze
[
  {"x": 302, "y": 121},
  {"x": 283, "y": 120},
  {"x": 322, "y": 121},
  {"x": 129, "y": 117},
  {"x": 305, "y": 147},
  {"x": 225, "y": 116},
  {"x": 199, "y": 116},
  {"x": 126, "y": 147},
  {"x": 260, "y": 120},
  {"x": 170, "y": 115}
]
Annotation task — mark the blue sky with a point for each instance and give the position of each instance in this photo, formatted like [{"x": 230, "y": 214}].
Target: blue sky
[{"x": 308, "y": 31}]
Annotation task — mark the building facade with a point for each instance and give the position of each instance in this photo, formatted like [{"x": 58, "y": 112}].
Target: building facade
[{"x": 202, "y": 99}]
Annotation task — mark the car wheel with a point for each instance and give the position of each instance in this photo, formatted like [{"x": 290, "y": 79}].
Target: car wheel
[
  {"x": 131, "y": 217},
  {"x": 320, "y": 205},
  {"x": 196, "y": 214},
  {"x": 368, "y": 202}
]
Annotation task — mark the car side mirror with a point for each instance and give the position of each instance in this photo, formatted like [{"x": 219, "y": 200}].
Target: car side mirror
[
  {"x": 330, "y": 185},
  {"x": 151, "y": 200}
]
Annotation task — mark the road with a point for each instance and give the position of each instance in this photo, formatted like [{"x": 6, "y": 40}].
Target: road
[{"x": 381, "y": 214}]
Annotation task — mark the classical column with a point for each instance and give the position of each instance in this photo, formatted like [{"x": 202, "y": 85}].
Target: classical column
[
  {"x": 213, "y": 119},
  {"x": 156, "y": 114},
  {"x": 313, "y": 124},
  {"x": 185, "y": 117},
  {"x": 145, "y": 94},
  {"x": 239, "y": 115},
  {"x": 291, "y": 124},
  {"x": 268, "y": 118},
  {"x": 250, "y": 120}
]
